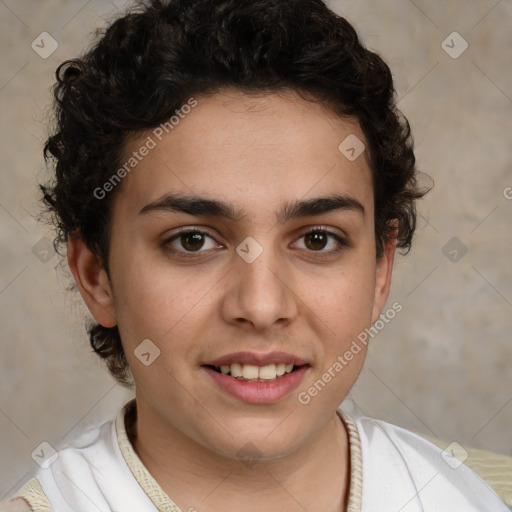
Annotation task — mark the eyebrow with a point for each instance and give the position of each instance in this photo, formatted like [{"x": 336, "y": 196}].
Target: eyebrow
[
  {"x": 200, "y": 206},
  {"x": 319, "y": 206}
]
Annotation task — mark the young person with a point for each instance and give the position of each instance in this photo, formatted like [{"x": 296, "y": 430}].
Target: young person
[{"x": 232, "y": 179}]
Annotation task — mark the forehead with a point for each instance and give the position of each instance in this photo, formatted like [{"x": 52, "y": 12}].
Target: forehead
[{"x": 259, "y": 151}]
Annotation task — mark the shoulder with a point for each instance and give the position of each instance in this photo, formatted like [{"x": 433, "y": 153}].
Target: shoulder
[
  {"x": 75, "y": 460},
  {"x": 411, "y": 470},
  {"x": 30, "y": 498},
  {"x": 16, "y": 505},
  {"x": 494, "y": 468},
  {"x": 90, "y": 468}
]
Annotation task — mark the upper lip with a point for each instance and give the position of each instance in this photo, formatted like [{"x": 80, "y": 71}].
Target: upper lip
[{"x": 257, "y": 359}]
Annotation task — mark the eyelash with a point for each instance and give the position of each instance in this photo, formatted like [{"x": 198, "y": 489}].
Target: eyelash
[{"x": 342, "y": 242}]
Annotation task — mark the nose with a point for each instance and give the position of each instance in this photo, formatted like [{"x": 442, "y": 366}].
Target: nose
[{"x": 260, "y": 294}]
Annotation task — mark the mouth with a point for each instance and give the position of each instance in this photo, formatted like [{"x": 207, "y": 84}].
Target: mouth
[
  {"x": 253, "y": 373},
  {"x": 257, "y": 378}
]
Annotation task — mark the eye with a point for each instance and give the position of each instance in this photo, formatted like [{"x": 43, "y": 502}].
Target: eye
[
  {"x": 191, "y": 241},
  {"x": 321, "y": 240}
]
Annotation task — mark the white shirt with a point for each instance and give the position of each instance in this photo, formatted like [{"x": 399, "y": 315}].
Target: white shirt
[{"x": 392, "y": 470}]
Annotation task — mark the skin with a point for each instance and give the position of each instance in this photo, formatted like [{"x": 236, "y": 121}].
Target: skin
[{"x": 258, "y": 154}]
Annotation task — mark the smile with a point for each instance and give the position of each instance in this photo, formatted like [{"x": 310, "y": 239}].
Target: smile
[
  {"x": 257, "y": 378},
  {"x": 253, "y": 373}
]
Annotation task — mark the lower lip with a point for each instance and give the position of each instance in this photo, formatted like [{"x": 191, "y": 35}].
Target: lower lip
[{"x": 258, "y": 392}]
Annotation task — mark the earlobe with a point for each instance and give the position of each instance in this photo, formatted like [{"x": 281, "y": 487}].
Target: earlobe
[
  {"x": 92, "y": 281},
  {"x": 383, "y": 276}
]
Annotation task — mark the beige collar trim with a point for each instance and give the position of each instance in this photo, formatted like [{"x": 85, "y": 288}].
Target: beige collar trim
[
  {"x": 149, "y": 485},
  {"x": 164, "y": 503},
  {"x": 355, "y": 495}
]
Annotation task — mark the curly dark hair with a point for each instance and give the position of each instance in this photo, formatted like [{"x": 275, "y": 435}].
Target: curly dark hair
[{"x": 150, "y": 61}]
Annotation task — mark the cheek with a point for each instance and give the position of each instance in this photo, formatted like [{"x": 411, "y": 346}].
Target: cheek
[
  {"x": 156, "y": 303},
  {"x": 343, "y": 299},
  {"x": 341, "y": 309}
]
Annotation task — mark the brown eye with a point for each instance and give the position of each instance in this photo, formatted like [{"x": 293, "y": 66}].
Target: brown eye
[
  {"x": 191, "y": 241},
  {"x": 316, "y": 240},
  {"x": 321, "y": 241}
]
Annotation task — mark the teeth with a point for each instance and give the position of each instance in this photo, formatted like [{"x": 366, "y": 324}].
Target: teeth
[
  {"x": 256, "y": 373},
  {"x": 235, "y": 370},
  {"x": 268, "y": 372},
  {"x": 249, "y": 371}
]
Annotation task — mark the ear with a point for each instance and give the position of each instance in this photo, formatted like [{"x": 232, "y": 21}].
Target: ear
[
  {"x": 383, "y": 274},
  {"x": 92, "y": 281}
]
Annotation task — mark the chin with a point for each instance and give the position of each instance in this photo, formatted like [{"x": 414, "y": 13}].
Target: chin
[{"x": 252, "y": 443}]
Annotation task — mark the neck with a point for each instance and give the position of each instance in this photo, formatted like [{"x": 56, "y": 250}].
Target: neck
[{"x": 314, "y": 478}]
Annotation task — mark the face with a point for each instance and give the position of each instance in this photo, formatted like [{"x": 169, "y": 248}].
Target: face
[{"x": 243, "y": 244}]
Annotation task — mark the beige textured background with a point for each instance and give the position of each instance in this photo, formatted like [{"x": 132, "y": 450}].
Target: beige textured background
[{"x": 441, "y": 366}]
